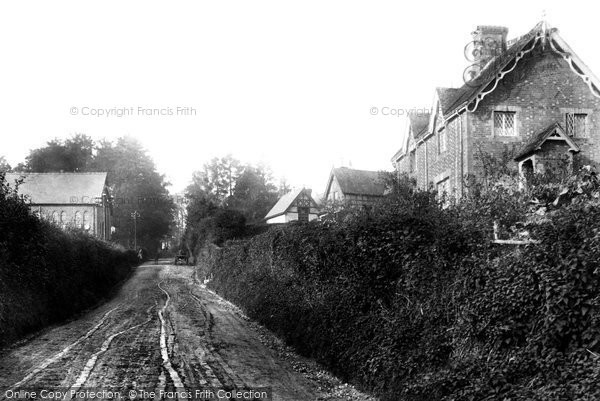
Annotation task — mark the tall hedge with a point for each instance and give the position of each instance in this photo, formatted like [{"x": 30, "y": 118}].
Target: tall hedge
[
  {"x": 411, "y": 302},
  {"x": 47, "y": 274}
]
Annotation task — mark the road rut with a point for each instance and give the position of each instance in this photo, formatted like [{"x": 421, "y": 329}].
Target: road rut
[{"x": 163, "y": 331}]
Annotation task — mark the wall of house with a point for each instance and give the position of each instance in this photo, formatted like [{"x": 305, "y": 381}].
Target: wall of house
[
  {"x": 360, "y": 200},
  {"x": 97, "y": 217},
  {"x": 335, "y": 189},
  {"x": 541, "y": 90},
  {"x": 434, "y": 165},
  {"x": 277, "y": 220},
  {"x": 403, "y": 165},
  {"x": 421, "y": 162},
  {"x": 553, "y": 157},
  {"x": 292, "y": 216}
]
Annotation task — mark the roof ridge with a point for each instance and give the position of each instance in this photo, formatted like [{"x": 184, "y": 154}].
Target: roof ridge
[
  {"x": 496, "y": 63},
  {"x": 355, "y": 169}
]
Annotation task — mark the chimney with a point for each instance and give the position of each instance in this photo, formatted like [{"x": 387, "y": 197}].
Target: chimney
[{"x": 490, "y": 41}]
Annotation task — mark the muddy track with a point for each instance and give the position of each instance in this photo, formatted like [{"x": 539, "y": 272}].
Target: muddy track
[{"x": 162, "y": 331}]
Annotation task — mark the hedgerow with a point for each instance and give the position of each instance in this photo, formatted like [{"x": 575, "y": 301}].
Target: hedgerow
[
  {"x": 411, "y": 301},
  {"x": 47, "y": 274}
]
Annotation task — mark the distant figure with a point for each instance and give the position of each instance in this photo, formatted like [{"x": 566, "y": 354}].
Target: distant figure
[
  {"x": 156, "y": 257},
  {"x": 140, "y": 255},
  {"x": 182, "y": 256}
]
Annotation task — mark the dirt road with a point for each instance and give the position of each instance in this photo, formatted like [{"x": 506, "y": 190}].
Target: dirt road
[{"x": 164, "y": 332}]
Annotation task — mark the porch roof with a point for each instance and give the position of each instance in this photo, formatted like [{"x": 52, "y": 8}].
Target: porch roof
[{"x": 553, "y": 132}]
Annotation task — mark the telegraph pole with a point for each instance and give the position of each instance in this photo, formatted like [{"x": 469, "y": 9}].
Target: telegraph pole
[{"x": 135, "y": 216}]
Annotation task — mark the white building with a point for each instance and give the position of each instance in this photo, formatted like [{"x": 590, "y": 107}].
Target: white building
[{"x": 297, "y": 205}]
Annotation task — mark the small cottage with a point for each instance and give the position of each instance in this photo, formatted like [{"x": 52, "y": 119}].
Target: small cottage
[
  {"x": 354, "y": 187},
  {"x": 297, "y": 205}
]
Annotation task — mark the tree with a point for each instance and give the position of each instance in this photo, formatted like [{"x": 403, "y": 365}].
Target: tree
[
  {"x": 4, "y": 166},
  {"x": 136, "y": 186},
  {"x": 223, "y": 197},
  {"x": 132, "y": 176},
  {"x": 254, "y": 193},
  {"x": 71, "y": 155},
  {"x": 284, "y": 187},
  {"x": 218, "y": 177}
]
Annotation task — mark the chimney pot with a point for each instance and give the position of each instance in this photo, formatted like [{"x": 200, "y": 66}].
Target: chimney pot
[{"x": 490, "y": 41}]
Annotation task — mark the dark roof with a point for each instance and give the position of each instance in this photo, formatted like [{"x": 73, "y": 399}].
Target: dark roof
[
  {"x": 358, "y": 182},
  {"x": 447, "y": 97},
  {"x": 60, "y": 188},
  {"x": 537, "y": 140},
  {"x": 419, "y": 123},
  {"x": 455, "y": 98},
  {"x": 285, "y": 202}
]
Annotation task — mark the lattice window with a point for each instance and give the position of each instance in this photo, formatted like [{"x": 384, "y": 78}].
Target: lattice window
[
  {"x": 412, "y": 161},
  {"x": 504, "y": 123},
  {"x": 576, "y": 124}
]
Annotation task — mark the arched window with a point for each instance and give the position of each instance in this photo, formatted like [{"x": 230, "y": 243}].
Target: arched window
[
  {"x": 86, "y": 221},
  {"x": 63, "y": 218},
  {"x": 78, "y": 219},
  {"x": 55, "y": 217}
]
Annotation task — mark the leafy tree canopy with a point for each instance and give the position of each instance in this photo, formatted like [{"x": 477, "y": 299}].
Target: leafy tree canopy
[
  {"x": 132, "y": 176},
  {"x": 225, "y": 196}
]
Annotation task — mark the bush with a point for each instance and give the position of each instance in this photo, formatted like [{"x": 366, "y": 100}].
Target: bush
[
  {"x": 411, "y": 301},
  {"x": 46, "y": 274}
]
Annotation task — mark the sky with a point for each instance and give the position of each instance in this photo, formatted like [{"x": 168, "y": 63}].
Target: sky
[{"x": 302, "y": 86}]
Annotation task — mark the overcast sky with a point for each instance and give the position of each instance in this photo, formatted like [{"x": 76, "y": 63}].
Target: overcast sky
[{"x": 288, "y": 83}]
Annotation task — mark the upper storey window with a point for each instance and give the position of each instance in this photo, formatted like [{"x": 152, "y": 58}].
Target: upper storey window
[
  {"x": 504, "y": 123},
  {"x": 576, "y": 124}
]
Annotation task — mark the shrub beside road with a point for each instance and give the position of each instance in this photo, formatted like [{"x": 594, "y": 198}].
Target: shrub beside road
[
  {"x": 412, "y": 301},
  {"x": 46, "y": 274}
]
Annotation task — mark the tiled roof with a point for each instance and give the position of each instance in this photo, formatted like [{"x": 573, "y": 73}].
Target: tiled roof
[
  {"x": 537, "y": 140},
  {"x": 458, "y": 97},
  {"x": 419, "y": 123},
  {"x": 60, "y": 188},
  {"x": 359, "y": 182},
  {"x": 447, "y": 97}
]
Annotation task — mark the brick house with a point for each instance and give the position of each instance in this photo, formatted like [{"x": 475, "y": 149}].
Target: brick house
[
  {"x": 80, "y": 200},
  {"x": 354, "y": 187},
  {"x": 531, "y": 97}
]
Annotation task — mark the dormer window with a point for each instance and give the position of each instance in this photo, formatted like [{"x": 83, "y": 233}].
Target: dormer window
[
  {"x": 576, "y": 125},
  {"x": 504, "y": 123}
]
